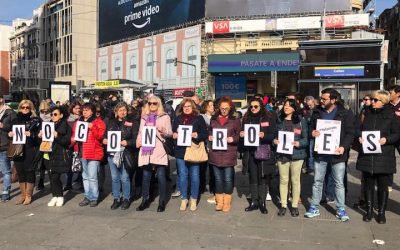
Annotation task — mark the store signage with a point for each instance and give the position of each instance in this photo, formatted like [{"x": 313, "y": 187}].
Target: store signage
[
  {"x": 106, "y": 84},
  {"x": 339, "y": 71},
  {"x": 253, "y": 62},
  {"x": 235, "y": 87}
]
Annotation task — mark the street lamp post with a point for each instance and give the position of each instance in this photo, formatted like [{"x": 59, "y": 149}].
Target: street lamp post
[{"x": 190, "y": 64}]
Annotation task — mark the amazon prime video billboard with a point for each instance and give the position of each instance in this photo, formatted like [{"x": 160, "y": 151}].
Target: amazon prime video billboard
[
  {"x": 225, "y": 8},
  {"x": 122, "y": 19}
]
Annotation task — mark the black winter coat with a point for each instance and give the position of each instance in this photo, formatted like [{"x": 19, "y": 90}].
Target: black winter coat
[
  {"x": 60, "y": 155},
  {"x": 7, "y": 120},
  {"x": 129, "y": 128},
  {"x": 347, "y": 130},
  {"x": 199, "y": 126},
  {"x": 385, "y": 121}
]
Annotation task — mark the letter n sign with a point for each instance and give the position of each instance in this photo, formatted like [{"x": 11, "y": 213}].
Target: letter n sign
[
  {"x": 149, "y": 134},
  {"x": 19, "y": 134},
  {"x": 81, "y": 131}
]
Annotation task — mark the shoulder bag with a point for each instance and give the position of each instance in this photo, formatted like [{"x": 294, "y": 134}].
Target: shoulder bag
[
  {"x": 15, "y": 151},
  {"x": 169, "y": 145},
  {"x": 196, "y": 153},
  {"x": 263, "y": 152}
]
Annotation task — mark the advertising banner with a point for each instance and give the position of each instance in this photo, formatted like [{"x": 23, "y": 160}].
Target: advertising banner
[
  {"x": 121, "y": 19},
  {"x": 222, "y": 8},
  {"x": 60, "y": 91},
  {"x": 253, "y": 62},
  {"x": 235, "y": 87},
  {"x": 298, "y": 23},
  {"x": 339, "y": 71}
]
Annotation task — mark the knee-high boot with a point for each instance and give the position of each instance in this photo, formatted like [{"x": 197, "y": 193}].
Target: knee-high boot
[
  {"x": 383, "y": 196},
  {"x": 22, "y": 188},
  {"x": 369, "y": 200},
  {"x": 28, "y": 194}
]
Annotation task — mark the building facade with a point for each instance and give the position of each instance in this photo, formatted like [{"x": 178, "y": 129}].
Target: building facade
[{"x": 5, "y": 32}]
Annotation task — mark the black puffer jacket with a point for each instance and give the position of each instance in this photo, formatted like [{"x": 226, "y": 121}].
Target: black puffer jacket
[
  {"x": 383, "y": 120},
  {"x": 7, "y": 119},
  {"x": 60, "y": 156}
]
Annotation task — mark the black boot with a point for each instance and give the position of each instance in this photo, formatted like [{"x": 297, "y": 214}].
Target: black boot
[
  {"x": 125, "y": 204},
  {"x": 282, "y": 211},
  {"x": 145, "y": 204},
  {"x": 40, "y": 185},
  {"x": 115, "y": 204},
  {"x": 369, "y": 208},
  {"x": 253, "y": 206},
  {"x": 161, "y": 207},
  {"x": 263, "y": 207},
  {"x": 382, "y": 203}
]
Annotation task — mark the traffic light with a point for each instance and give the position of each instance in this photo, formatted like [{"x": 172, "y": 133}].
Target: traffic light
[{"x": 175, "y": 61}]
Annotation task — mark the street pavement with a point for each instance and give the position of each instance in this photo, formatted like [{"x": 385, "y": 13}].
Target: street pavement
[{"x": 72, "y": 227}]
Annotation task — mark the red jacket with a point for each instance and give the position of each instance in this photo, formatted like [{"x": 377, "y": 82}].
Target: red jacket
[{"x": 92, "y": 149}]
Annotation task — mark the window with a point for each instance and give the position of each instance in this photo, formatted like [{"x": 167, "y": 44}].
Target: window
[
  {"x": 103, "y": 71},
  {"x": 132, "y": 68},
  {"x": 169, "y": 64},
  {"x": 149, "y": 67},
  {"x": 191, "y": 58},
  {"x": 117, "y": 68}
]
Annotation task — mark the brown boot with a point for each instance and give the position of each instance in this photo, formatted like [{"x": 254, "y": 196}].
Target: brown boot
[
  {"x": 227, "y": 202},
  {"x": 29, "y": 192},
  {"x": 22, "y": 187},
  {"x": 219, "y": 202}
]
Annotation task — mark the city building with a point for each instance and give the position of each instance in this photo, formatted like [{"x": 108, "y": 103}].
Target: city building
[{"x": 5, "y": 32}]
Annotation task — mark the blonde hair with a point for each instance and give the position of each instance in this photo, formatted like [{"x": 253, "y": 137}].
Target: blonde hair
[
  {"x": 146, "y": 108},
  {"x": 44, "y": 105},
  {"x": 382, "y": 95},
  {"x": 33, "y": 110}
]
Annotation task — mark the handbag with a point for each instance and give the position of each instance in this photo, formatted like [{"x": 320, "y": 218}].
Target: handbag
[
  {"x": 196, "y": 153},
  {"x": 45, "y": 146},
  {"x": 129, "y": 160},
  {"x": 169, "y": 145},
  {"x": 263, "y": 152},
  {"x": 76, "y": 163},
  {"x": 15, "y": 151}
]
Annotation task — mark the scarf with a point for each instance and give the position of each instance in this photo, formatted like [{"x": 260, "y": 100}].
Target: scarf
[
  {"x": 222, "y": 120},
  {"x": 150, "y": 121},
  {"x": 187, "y": 119}
]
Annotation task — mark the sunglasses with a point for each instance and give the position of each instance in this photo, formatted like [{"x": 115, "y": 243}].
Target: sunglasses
[
  {"x": 54, "y": 114},
  {"x": 224, "y": 109},
  {"x": 187, "y": 106},
  {"x": 153, "y": 103},
  {"x": 25, "y": 107},
  {"x": 366, "y": 99},
  {"x": 375, "y": 100},
  {"x": 44, "y": 111},
  {"x": 254, "y": 107}
]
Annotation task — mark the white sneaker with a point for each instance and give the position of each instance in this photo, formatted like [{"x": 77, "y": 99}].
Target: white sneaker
[
  {"x": 268, "y": 198},
  {"x": 52, "y": 202},
  {"x": 60, "y": 201}
]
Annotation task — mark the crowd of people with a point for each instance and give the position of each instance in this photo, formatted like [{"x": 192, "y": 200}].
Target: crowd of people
[{"x": 136, "y": 167}]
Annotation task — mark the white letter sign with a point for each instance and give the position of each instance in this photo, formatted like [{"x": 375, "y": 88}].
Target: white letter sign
[
  {"x": 285, "y": 145},
  {"x": 19, "y": 134},
  {"x": 184, "y": 135},
  {"x": 48, "y": 131},
  {"x": 81, "y": 131},
  {"x": 371, "y": 143},
  {"x": 251, "y": 135},
  {"x": 220, "y": 137},
  {"x": 113, "y": 141},
  {"x": 149, "y": 134},
  {"x": 329, "y": 139}
]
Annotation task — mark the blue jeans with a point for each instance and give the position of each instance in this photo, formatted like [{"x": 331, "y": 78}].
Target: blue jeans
[
  {"x": 90, "y": 169},
  {"x": 5, "y": 169},
  {"x": 186, "y": 168},
  {"x": 338, "y": 171},
  {"x": 162, "y": 181},
  {"x": 329, "y": 184},
  {"x": 120, "y": 179},
  {"x": 223, "y": 179}
]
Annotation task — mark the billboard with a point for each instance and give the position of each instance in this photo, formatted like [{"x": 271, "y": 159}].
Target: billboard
[
  {"x": 339, "y": 71},
  {"x": 222, "y": 8},
  {"x": 122, "y": 19},
  {"x": 235, "y": 87},
  {"x": 259, "y": 62}
]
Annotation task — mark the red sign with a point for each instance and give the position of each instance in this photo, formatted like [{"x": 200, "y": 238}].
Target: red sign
[
  {"x": 334, "y": 21},
  {"x": 220, "y": 27},
  {"x": 179, "y": 92}
]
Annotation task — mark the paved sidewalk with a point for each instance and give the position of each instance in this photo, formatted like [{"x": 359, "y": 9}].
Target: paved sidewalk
[{"x": 71, "y": 227}]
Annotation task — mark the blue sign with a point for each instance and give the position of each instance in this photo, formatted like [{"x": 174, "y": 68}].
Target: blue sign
[
  {"x": 235, "y": 87},
  {"x": 259, "y": 62},
  {"x": 339, "y": 71}
]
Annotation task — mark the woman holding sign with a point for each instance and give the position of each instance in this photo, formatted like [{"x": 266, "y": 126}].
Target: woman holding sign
[
  {"x": 58, "y": 161},
  {"x": 224, "y": 133},
  {"x": 261, "y": 164},
  {"x": 88, "y": 132},
  {"x": 121, "y": 143},
  {"x": 378, "y": 133},
  {"x": 292, "y": 143},
  {"x": 189, "y": 127},
  {"x": 155, "y": 125},
  {"x": 27, "y": 118}
]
